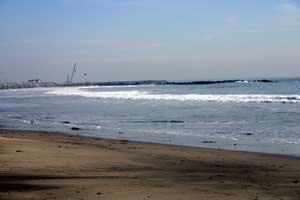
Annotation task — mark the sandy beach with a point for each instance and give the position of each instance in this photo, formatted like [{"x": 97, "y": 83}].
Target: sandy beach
[{"x": 41, "y": 165}]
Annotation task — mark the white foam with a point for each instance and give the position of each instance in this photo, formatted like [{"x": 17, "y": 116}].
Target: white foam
[
  {"x": 281, "y": 140},
  {"x": 242, "y": 81},
  {"x": 229, "y": 138},
  {"x": 143, "y": 95}
]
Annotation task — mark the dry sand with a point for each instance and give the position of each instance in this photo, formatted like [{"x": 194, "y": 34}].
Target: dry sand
[{"x": 40, "y": 165}]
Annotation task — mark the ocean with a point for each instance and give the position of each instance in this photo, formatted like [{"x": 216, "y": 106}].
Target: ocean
[{"x": 243, "y": 115}]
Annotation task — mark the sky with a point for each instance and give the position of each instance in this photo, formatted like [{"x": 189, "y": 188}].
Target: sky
[{"x": 149, "y": 39}]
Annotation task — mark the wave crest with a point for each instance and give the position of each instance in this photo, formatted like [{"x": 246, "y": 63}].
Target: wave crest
[{"x": 142, "y": 95}]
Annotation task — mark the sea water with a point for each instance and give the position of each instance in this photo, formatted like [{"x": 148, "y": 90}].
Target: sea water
[{"x": 244, "y": 115}]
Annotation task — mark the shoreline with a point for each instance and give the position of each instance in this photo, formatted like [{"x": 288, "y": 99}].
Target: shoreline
[
  {"x": 65, "y": 134},
  {"x": 204, "y": 146},
  {"x": 45, "y": 165}
]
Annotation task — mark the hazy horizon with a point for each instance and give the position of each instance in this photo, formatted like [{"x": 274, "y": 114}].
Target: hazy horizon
[{"x": 149, "y": 39}]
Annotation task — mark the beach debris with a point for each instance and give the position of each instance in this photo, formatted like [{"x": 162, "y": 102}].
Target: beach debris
[
  {"x": 296, "y": 181},
  {"x": 99, "y": 193},
  {"x": 176, "y": 121},
  {"x": 19, "y": 151},
  {"x": 209, "y": 142},
  {"x": 167, "y": 121},
  {"x": 124, "y": 141}
]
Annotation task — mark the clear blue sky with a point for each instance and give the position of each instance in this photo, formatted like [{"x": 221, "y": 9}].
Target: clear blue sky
[{"x": 149, "y": 39}]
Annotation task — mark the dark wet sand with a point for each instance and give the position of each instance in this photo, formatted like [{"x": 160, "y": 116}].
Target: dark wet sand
[{"x": 40, "y": 165}]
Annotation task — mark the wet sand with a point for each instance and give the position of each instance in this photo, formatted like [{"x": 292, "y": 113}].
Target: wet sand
[{"x": 41, "y": 165}]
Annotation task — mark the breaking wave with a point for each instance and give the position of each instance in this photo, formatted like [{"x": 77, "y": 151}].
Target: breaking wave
[{"x": 143, "y": 95}]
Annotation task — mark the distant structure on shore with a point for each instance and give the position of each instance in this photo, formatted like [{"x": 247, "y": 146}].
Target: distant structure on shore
[
  {"x": 34, "y": 81},
  {"x": 38, "y": 83},
  {"x": 29, "y": 84},
  {"x": 70, "y": 78}
]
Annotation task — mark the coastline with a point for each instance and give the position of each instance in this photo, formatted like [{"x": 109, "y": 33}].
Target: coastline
[{"x": 45, "y": 165}]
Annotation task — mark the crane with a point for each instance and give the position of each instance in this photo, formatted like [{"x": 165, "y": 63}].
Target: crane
[{"x": 70, "y": 78}]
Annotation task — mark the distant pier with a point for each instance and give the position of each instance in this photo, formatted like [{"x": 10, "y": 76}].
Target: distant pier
[{"x": 38, "y": 83}]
